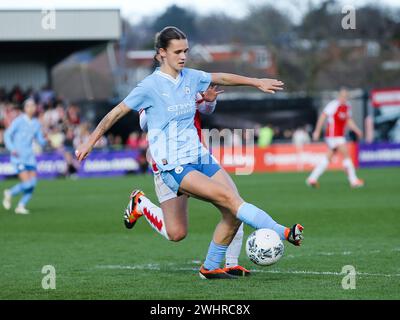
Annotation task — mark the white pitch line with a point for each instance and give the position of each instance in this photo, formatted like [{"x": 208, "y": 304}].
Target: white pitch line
[
  {"x": 157, "y": 267},
  {"x": 341, "y": 253},
  {"x": 150, "y": 266},
  {"x": 326, "y": 273}
]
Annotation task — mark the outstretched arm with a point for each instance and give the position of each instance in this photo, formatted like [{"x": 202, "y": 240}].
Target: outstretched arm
[
  {"x": 318, "y": 127},
  {"x": 8, "y": 137},
  {"x": 40, "y": 137},
  {"x": 106, "y": 123},
  {"x": 352, "y": 125},
  {"x": 230, "y": 79}
]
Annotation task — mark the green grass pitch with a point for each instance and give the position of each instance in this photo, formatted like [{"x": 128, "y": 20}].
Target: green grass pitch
[{"x": 77, "y": 227}]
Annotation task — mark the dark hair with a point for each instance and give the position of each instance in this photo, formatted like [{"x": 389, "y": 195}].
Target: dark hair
[{"x": 164, "y": 37}]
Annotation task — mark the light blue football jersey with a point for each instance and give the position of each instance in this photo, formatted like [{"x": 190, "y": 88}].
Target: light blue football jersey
[
  {"x": 19, "y": 137},
  {"x": 170, "y": 106}
]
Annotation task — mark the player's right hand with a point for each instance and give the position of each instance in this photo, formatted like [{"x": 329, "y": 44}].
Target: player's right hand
[{"x": 83, "y": 151}]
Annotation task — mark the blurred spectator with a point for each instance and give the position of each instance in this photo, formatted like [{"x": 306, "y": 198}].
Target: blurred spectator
[
  {"x": 102, "y": 143},
  {"x": 53, "y": 116},
  {"x": 73, "y": 115},
  {"x": 2, "y": 145},
  {"x": 46, "y": 95},
  {"x": 265, "y": 135},
  {"x": 69, "y": 139},
  {"x": 133, "y": 140},
  {"x": 16, "y": 96},
  {"x": 143, "y": 162},
  {"x": 72, "y": 165},
  {"x": 56, "y": 138},
  {"x": 287, "y": 134},
  {"x": 300, "y": 137},
  {"x": 110, "y": 139},
  {"x": 11, "y": 111},
  {"x": 81, "y": 135},
  {"x": 143, "y": 143},
  {"x": 117, "y": 143}
]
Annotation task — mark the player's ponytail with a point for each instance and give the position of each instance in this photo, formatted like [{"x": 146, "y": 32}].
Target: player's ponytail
[{"x": 163, "y": 38}]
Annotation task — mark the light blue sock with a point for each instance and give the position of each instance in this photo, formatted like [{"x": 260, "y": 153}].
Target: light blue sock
[
  {"x": 28, "y": 187},
  {"x": 18, "y": 188},
  {"x": 259, "y": 219},
  {"x": 25, "y": 198},
  {"x": 215, "y": 255}
]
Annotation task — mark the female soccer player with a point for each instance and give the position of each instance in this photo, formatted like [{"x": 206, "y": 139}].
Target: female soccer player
[
  {"x": 338, "y": 114},
  {"x": 18, "y": 140},
  {"x": 168, "y": 96},
  {"x": 173, "y": 205}
]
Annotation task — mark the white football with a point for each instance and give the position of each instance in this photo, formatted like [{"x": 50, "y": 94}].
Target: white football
[{"x": 264, "y": 247}]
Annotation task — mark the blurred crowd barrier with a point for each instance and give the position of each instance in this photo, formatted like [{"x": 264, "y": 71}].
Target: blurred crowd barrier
[{"x": 238, "y": 160}]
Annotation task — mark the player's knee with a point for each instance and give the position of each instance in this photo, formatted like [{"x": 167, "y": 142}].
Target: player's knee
[{"x": 177, "y": 235}]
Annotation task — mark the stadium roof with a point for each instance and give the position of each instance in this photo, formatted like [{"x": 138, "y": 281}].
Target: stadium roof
[{"x": 33, "y": 41}]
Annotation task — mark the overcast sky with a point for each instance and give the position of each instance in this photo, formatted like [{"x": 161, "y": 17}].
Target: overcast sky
[{"x": 135, "y": 10}]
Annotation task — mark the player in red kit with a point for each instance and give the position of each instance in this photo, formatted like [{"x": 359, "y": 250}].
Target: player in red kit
[{"x": 337, "y": 113}]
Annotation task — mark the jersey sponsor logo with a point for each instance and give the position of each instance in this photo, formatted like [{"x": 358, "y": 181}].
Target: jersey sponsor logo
[
  {"x": 182, "y": 108},
  {"x": 342, "y": 115}
]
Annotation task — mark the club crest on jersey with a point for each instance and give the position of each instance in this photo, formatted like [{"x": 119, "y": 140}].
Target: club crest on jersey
[
  {"x": 342, "y": 115},
  {"x": 187, "y": 90},
  {"x": 178, "y": 170}
]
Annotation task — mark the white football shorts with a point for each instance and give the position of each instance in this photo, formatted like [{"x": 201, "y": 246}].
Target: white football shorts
[
  {"x": 334, "y": 142},
  {"x": 163, "y": 192}
]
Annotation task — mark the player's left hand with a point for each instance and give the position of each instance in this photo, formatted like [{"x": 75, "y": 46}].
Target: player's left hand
[
  {"x": 269, "y": 85},
  {"x": 211, "y": 93},
  {"x": 83, "y": 151},
  {"x": 315, "y": 136}
]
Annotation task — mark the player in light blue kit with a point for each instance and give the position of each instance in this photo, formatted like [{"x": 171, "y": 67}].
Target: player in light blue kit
[
  {"x": 168, "y": 96},
  {"x": 19, "y": 141}
]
